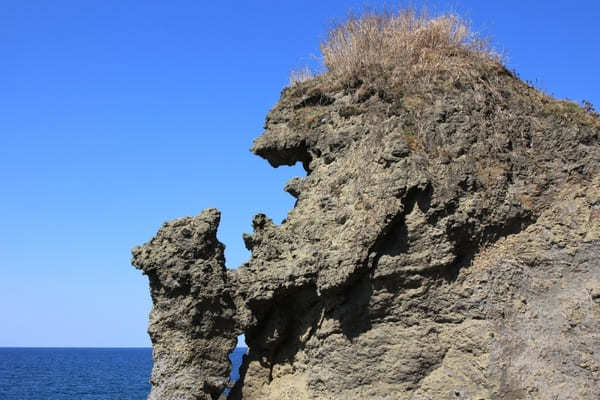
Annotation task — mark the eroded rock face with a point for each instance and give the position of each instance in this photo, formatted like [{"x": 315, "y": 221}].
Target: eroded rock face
[
  {"x": 444, "y": 244},
  {"x": 192, "y": 322}
]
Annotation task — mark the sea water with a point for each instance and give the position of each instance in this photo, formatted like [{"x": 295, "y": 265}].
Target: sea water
[{"x": 80, "y": 374}]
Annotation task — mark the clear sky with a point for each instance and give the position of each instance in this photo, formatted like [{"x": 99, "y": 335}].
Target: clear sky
[{"x": 117, "y": 115}]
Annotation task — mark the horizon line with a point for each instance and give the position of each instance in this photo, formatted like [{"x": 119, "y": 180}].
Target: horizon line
[{"x": 88, "y": 347}]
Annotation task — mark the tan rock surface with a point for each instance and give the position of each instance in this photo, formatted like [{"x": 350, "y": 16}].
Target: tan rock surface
[{"x": 444, "y": 245}]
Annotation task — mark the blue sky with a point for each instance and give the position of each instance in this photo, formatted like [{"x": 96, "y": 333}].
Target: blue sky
[{"x": 118, "y": 115}]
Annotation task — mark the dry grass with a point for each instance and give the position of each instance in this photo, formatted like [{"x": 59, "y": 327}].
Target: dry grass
[
  {"x": 406, "y": 40},
  {"x": 300, "y": 75}
]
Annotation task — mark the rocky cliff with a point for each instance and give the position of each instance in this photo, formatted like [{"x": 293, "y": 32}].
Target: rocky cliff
[{"x": 444, "y": 244}]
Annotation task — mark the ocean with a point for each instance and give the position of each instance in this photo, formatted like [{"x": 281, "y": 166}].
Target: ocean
[{"x": 80, "y": 374}]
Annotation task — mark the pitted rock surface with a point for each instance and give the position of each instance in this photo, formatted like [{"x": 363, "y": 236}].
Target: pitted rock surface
[
  {"x": 444, "y": 244},
  {"x": 192, "y": 321}
]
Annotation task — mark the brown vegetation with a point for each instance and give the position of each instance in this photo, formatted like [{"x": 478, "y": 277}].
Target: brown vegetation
[{"x": 408, "y": 40}]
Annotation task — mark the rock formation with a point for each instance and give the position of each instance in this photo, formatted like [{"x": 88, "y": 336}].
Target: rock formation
[
  {"x": 193, "y": 314},
  {"x": 444, "y": 244}
]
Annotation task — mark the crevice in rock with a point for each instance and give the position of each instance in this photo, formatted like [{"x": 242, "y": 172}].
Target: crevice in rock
[
  {"x": 236, "y": 358},
  {"x": 393, "y": 239},
  {"x": 316, "y": 97},
  {"x": 236, "y": 391},
  {"x": 353, "y": 312},
  {"x": 285, "y": 325},
  {"x": 468, "y": 241}
]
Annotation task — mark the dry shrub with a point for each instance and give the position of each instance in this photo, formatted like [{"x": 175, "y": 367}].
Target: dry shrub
[
  {"x": 300, "y": 75},
  {"x": 407, "y": 39}
]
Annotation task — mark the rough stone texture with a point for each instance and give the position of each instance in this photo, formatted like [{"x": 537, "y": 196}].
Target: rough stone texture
[
  {"x": 444, "y": 244},
  {"x": 191, "y": 323}
]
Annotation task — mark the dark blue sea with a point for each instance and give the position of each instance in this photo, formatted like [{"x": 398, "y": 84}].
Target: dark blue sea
[{"x": 80, "y": 374}]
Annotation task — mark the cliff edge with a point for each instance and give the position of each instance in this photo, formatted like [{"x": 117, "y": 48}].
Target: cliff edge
[{"x": 444, "y": 244}]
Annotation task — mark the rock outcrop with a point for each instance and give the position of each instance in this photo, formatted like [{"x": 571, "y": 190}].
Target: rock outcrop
[
  {"x": 192, "y": 322},
  {"x": 445, "y": 243}
]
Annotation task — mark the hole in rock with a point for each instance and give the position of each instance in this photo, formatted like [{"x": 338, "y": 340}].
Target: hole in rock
[
  {"x": 236, "y": 357},
  {"x": 261, "y": 192}
]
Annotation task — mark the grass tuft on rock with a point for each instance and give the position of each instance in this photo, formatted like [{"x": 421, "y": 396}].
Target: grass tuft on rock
[{"x": 407, "y": 39}]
